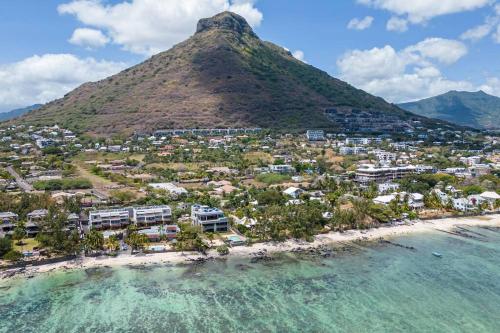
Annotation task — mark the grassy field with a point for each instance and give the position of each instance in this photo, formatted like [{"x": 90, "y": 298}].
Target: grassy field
[
  {"x": 97, "y": 182},
  {"x": 178, "y": 166},
  {"x": 28, "y": 245},
  {"x": 257, "y": 156},
  {"x": 272, "y": 178}
]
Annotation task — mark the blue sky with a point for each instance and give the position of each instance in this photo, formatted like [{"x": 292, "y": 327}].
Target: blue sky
[{"x": 397, "y": 49}]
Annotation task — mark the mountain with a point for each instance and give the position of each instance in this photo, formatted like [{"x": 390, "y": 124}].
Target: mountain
[
  {"x": 18, "y": 112},
  {"x": 475, "y": 109},
  {"x": 223, "y": 76}
]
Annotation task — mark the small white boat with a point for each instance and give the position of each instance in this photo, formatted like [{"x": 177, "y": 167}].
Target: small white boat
[{"x": 437, "y": 254}]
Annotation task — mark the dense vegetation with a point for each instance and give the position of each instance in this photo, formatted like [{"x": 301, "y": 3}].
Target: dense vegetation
[{"x": 62, "y": 184}]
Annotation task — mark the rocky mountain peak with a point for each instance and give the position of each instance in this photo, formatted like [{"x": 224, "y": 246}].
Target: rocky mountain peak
[{"x": 225, "y": 21}]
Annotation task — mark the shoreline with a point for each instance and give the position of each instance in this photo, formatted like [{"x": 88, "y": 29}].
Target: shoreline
[{"x": 421, "y": 226}]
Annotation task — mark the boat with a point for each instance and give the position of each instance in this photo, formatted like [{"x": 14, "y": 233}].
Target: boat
[{"x": 437, "y": 254}]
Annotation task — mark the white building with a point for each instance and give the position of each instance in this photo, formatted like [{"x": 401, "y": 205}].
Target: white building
[
  {"x": 169, "y": 187},
  {"x": 282, "y": 168},
  {"x": 150, "y": 215},
  {"x": 346, "y": 150},
  {"x": 293, "y": 192},
  {"x": 367, "y": 173},
  {"x": 112, "y": 218},
  {"x": 472, "y": 160},
  {"x": 384, "y": 156},
  {"x": 387, "y": 187},
  {"x": 462, "y": 204},
  {"x": 490, "y": 197},
  {"x": 210, "y": 219},
  {"x": 315, "y": 135}
]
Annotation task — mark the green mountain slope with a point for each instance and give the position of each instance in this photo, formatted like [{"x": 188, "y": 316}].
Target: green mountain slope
[
  {"x": 475, "y": 109},
  {"x": 223, "y": 76}
]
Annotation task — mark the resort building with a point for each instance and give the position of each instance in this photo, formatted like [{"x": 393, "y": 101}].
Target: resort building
[
  {"x": 210, "y": 219},
  {"x": 368, "y": 173},
  {"x": 112, "y": 218},
  {"x": 282, "y": 168},
  {"x": 8, "y": 222},
  {"x": 315, "y": 135},
  {"x": 346, "y": 150},
  {"x": 151, "y": 215}
]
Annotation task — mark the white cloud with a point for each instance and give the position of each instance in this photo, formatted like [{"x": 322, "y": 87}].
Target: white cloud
[
  {"x": 419, "y": 11},
  {"x": 397, "y": 24},
  {"x": 446, "y": 51},
  {"x": 408, "y": 74},
  {"x": 492, "y": 86},
  {"x": 496, "y": 35},
  {"x": 39, "y": 79},
  {"x": 151, "y": 26},
  {"x": 299, "y": 55},
  {"x": 90, "y": 38},
  {"x": 360, "y": 24},
  {"x": 479, "y": 32}
]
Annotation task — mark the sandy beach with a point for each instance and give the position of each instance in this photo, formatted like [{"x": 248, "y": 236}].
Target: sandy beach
[{"x": 267, "y": 247}]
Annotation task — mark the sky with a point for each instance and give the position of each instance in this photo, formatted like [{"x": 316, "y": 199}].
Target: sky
[{"x": 400, "y": 50}]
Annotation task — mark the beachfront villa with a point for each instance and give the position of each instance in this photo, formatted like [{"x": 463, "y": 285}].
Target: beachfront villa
[
  {"x": 155, "y": 234},
  {"x": 150, "y": 215},
  {"x": 111, "y": 218},
  {"x": 209, "y": 218},
  {"x": 122, "y": 217}
]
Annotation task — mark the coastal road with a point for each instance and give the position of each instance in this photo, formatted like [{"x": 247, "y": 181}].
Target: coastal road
[{"x": 19, "y": 180}]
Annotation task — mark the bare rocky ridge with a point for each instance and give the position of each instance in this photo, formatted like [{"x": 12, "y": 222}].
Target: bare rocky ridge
[{"x": 223, "y": 76}]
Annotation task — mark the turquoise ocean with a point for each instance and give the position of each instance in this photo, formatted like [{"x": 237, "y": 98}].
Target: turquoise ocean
[{"x": 360, "y": 287}]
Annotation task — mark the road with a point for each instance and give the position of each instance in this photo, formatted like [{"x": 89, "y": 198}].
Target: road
[{"x": 19, "y": 180}]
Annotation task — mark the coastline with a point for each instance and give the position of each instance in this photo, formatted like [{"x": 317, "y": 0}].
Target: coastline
[{"x": 421, "y": 226}]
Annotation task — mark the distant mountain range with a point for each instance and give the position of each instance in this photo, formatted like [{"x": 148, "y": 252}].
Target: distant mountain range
[
  {"x": 474, "y": 109},
  {"x": 223, "y": 76},
  {"x": 18, "y": 112}
]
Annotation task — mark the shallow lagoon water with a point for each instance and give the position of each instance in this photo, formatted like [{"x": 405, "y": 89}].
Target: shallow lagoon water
[{"x": 371, "y": 288}]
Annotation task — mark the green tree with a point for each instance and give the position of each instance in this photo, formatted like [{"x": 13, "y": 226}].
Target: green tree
[
  {"x": 93, "y": 241},
  {"x": 136, "y": 241},
  {"x": 54, "y": 235},
  {"x": 189, "y": 238},
  {"x": 112, "y": 244},
  {"x": 5, "y": 245},
  {"x": 223, "y": 250},
  {"x": 19, "y": 232},
  {"x": 13, "y": 255}
]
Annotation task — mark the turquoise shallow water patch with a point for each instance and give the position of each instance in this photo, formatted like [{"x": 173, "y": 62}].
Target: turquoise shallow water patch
[{"x": 376, "y": 288}]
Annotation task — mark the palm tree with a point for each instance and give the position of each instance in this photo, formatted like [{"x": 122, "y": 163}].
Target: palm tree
[
  {"x": 210, "y": 237},
  {"x": 112, "y": 244},
  {"x": 93, "y": 241}
]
